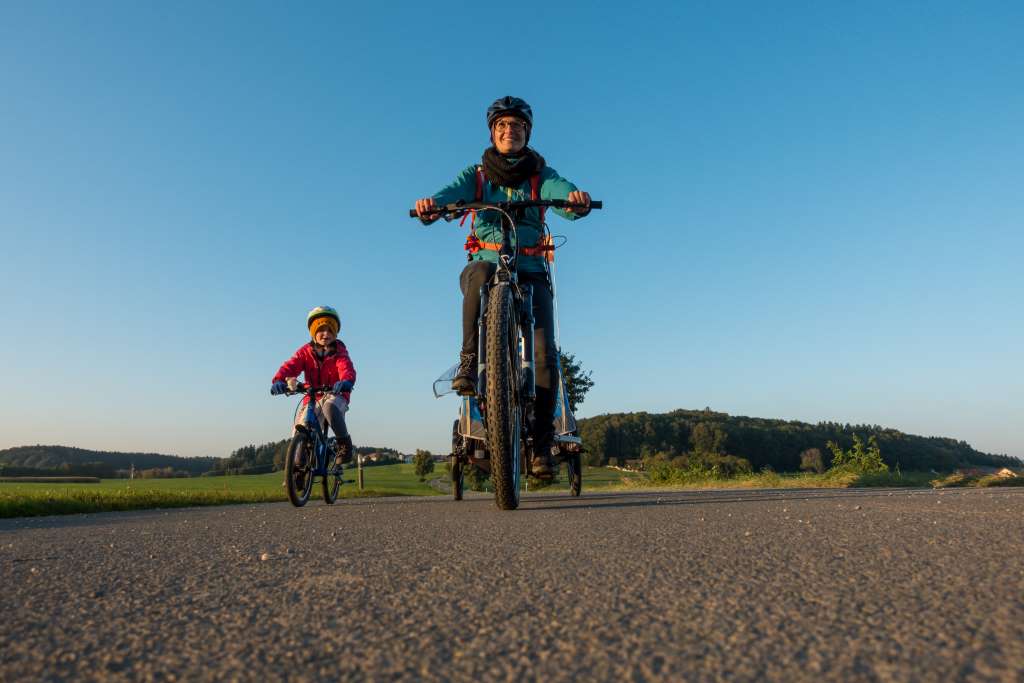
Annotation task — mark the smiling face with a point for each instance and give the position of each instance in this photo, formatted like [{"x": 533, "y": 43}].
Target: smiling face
[
  {"x": 509, "y": 134},
  {"x": 324, "y": 336}
]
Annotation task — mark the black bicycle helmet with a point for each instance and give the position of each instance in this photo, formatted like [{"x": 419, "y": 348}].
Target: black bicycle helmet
[{"x": 509, "y": 106}]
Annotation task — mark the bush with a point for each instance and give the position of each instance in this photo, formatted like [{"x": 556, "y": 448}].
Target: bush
[
  {"x": 160, "y": 473},
  {"x": 811, "y": 461},
  {"x": 476, "y": 479},
  {"x": 536, "y": 484},
  {"x": 858, "y": 459},
  {"x": 682, "y": 469},
  {"x": 423, "y": 463}
]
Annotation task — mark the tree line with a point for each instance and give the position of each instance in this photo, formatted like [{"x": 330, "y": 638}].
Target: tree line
[
  {"x": 616, "y": 438},
  {"x": 67, "y": 460}
]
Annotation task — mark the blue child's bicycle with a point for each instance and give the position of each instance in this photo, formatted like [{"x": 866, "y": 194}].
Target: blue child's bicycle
[{"x": 309, "y": 453}]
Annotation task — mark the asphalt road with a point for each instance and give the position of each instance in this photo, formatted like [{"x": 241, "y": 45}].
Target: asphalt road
[{"x": 866, "y": 585}]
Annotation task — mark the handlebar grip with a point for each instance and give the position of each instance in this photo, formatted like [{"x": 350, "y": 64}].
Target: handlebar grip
[
  {"x": 594, "y": 204},
  {"x": 412, "y": 213}
]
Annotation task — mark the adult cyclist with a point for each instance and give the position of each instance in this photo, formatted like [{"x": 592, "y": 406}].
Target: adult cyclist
[{"x": 510, "y": 170}]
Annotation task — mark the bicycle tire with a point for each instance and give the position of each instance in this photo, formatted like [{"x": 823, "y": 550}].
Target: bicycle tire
[
  {"x": 503, "y": 417},
  {"x": 575, "y": 474},
  {"x": 299, "y": 477},
  {"x": 457, "y": 460},
  {"x": 331, "y": 483}
]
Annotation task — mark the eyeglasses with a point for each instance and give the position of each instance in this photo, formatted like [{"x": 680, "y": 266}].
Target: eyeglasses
[{"x": 510, "y": 124}]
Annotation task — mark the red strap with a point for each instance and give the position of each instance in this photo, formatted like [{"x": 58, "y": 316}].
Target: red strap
[
  {"x": 535, "y": 195},
  {"x": 472, "y": 213}
]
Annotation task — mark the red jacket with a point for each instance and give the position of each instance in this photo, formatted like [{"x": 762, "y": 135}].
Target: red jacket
[{"x": 336, "y": 366}]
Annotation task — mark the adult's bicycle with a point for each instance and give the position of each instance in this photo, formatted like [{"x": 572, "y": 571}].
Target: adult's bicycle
[{"x": 505, "y": 372}]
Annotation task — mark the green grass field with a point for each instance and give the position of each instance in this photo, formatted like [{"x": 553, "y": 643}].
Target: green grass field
[
  {"x": 595, "y": 478},
  {"x": 18, "y": 499},
  {"x": 27, "y": 499}
]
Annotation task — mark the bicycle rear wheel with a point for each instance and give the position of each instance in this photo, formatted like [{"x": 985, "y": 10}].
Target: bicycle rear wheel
[
  {"x": 575, "y": 474},
  {"x": 458, "y": 463},
  {"x": 298, "y": 469},
  {"x": 504, "y": 421}
]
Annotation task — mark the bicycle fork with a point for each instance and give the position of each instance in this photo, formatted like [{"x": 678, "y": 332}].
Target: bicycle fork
[
  {"x": 526, "y": 324},
  {"x": 481, "y": 343},
  {"x": 525, "y": 345},
  {"x": 528, "y": 371}
]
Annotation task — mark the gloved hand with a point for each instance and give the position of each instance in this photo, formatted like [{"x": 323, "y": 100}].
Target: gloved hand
[
  {"x": 278, "y": 387},
  {"x": 341, "y": 387}
]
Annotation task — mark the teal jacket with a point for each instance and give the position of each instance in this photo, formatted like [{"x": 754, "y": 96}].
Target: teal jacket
[{"x": 488, "y": 223}]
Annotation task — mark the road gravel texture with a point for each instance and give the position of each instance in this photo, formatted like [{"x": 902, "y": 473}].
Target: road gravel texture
[{"x": 846, "y": 585}]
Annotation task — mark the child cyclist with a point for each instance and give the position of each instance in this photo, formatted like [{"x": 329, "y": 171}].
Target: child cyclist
[{"x": 324, "y": 361}]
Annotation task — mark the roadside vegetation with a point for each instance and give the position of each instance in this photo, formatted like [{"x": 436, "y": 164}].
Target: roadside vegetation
[
  {"x": 862, "y": 465},
  {"x": 785, "y": 480},
  {"x": 24, "y": 499},
  {"x": 960, "y": 479},
  {"x": 604, "y": 478}
]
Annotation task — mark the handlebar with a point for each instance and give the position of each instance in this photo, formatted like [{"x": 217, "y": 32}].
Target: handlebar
[
  {"x": 458, "y": 208},
  {"x": 303, "y": 388}
]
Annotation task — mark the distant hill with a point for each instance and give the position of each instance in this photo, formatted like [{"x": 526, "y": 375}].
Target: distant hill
[
  {"x": 72, "y": 459},
  {"x": 766, "y": 442}
]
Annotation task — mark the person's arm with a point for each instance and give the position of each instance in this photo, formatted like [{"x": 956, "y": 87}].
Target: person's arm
[
  {"x": 291, "y": 367},
  {"x": 346, "y": 369},
  {"x": 554, "y": 186},
  {"x": 462, "y": 188}
]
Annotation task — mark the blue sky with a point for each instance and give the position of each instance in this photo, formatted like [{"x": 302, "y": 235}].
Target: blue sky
[{"x": 813, "y": 209}]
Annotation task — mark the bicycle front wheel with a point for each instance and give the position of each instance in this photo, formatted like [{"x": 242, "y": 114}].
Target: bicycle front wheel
[
  {"x": 332, "y": 481},
  {"x": 298, "y": 469},
  {"x": 504, "y": 421}
]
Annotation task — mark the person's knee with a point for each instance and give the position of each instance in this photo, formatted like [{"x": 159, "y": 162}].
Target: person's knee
[
  {"x": 545, "y": 365},
  {"x": 336, "y": 402},
  {"x": 544, "y": 349},
  {"x": 474, "y": 275}
]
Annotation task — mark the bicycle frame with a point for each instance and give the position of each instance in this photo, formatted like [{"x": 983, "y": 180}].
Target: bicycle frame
[{"x": 311, "y": 425}]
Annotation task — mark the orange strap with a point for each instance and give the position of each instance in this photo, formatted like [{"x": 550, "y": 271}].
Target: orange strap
[{"x": 546, "y": 248}]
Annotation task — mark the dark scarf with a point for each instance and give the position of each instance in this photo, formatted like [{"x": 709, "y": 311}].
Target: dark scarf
[
  {"x": 322, "y": 352},
  {"x": 511, "y": 170}
]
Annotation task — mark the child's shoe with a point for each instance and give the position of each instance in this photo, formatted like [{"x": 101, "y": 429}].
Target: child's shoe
[{"x": 343, "y": 450}]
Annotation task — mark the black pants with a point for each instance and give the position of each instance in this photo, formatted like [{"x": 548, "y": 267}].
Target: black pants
[{"x": 474, "y": 276}]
